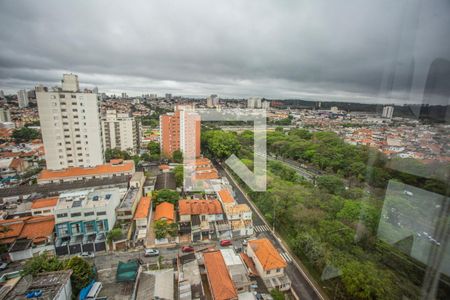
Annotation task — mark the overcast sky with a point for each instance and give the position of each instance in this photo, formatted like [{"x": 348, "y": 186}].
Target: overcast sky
[{"x": 366, "y": 51}]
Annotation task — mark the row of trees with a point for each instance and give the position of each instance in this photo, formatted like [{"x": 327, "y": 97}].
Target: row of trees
[{"x": 331, "y": 226}]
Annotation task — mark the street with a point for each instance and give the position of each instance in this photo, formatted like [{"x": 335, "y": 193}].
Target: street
[{"x": 301, "y": 284}]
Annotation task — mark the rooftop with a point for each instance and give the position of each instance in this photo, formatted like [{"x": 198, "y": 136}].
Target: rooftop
[
  {"x": 164, "y": 210},
  {"x": 143, "y": 208},
  {"x": 105, "y": 169},
  {"x": 35, "y": 228},
  {"x": 165, "y": 181},
  {"x": 129, "y": 198},
  {"x": 222, "y": 287},
  {"x": 199, "y": 207},
  {"x": 44, "y": 202},
  {"x": 50, "y": 283},
  {"x": 226, "y": 196},
  {"x": 86, "y": 198},
  {"x": 267, "y": 255}
]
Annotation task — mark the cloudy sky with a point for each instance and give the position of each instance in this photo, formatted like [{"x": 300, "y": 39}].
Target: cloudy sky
[{"x": 366, "y": 51}]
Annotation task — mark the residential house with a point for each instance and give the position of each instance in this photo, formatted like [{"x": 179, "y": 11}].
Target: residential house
[
  {"x": 221, "y": 284},
  {"x": 141, "y": 218},
  {"x": 237, "y": 269},
  {"x": 240, "y": 218},
  {"x": 27, "y": 236},
  {"x": 202, "y": 219},
  {"x": 50, "y": 285},
  {"x": 190, "y": 285},
  {"x": 269, "y": 264},
  {"x": 83, "y": 219},
  {"x": 165, "y": 211}
]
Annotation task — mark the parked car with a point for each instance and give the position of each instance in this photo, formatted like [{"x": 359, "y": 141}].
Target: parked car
[
  {"x": 244, "y": 242},
  {"x": 187, "y": 249},
  {"x": 87, "y": 254},
  {"x": 3, "y": 266},
  {"x": 151, "y": 252},
  {"x": 224, "y": 243}
]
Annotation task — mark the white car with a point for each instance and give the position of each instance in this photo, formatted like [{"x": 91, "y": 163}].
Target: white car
[
  {"x": 151, "y": 252},
  {"x": 87, "y": 254}
]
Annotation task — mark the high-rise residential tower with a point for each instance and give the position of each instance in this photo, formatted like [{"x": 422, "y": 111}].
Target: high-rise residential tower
[
  {"x": 212, "y": 101},
  {"x": 70, "y": 125},
  {"x": 180, "y": 131},
  {"x": 5, "y": 115},
  {"x": 22, "y": 98},
  {"x": 254, "y": 102},
  {"x": 120, "y": 131},
  {"x": 388, "y": 112}
]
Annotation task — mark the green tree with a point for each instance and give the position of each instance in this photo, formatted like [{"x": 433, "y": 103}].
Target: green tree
[
  {"x": 220, "y": 144},
  {"x": 179, "y": 175},
  {"x": 363, "y": 280},
  {"x": 162, "y": 229},
  {"x": 42, "y": 263},
  {"x": 331, "y": 183},
  {"x": 177, "y": 156},
  {"x": 116, "y": 154},
  {"x": 82, "y": 273},
  {"x": 154, "y": 147},
  {"x": 114, "y": 235},
  {"x": 277, "y": 294},
  {"x": 165, "y": 195},
  {"x": 25, "y": 134}
]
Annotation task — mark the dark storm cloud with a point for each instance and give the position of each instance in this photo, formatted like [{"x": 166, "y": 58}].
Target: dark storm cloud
[{"x": 352, "y": 50}]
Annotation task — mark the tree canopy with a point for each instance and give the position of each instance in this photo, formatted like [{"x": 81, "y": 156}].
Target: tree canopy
[{"x": 25, "y": 134}]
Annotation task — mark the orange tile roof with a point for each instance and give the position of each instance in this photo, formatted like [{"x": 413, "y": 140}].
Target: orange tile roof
[
  {"x": 206, "y": 175},
  {"x": 222, "y": 287},
  {"x": 226, "y": 196},
  {"x": 44, "y": 202},
  {"x": 116, "y": 161},
  {"x": 267, "y": 255},
  {"x": 165, "y": 210},
  {"x": 126, "y": 166},
  {"x": 143, "y": 208},
  {"x": 249, "y": 263},
  {"x": 199, "y": 207},
  {"x": 36, "y": 228}
]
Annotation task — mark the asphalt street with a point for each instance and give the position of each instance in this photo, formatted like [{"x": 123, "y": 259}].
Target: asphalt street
[{"x": 301, "y": 285}]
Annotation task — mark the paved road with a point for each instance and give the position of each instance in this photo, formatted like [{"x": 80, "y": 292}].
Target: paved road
[{"x": 300, "y": 283}]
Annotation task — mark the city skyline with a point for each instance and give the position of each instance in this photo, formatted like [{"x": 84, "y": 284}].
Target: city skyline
[{"x": 236, "y": 50}]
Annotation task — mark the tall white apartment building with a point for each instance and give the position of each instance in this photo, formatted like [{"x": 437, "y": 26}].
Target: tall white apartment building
[
  {"x": 5, "y": 115},
  {"x": 265, "y": 105},
  {"x": 120, "y": 131},
  {"x": 212, "y": 101},
  {"x": 388, "y": 112},
  {"x": 254, "y": 102},
  {"x": 70, "y": 125},
  {"x": 22, "y": 98}
]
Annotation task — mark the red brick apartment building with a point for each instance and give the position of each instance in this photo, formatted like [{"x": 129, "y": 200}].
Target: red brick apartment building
[{"x": 180, "y": 131}]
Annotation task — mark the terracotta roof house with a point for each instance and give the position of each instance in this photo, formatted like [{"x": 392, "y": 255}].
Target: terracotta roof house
[
  {"x": 165, "y": 211},
  {"x": 201, "y": 218},
  {"x": 27, "y": 235},
  {"x": 142, "y": 216},
  {"x": 269, "y": 264},
  {"x": 219, "y": 279},
  {"x": 226, "y": 198}
]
